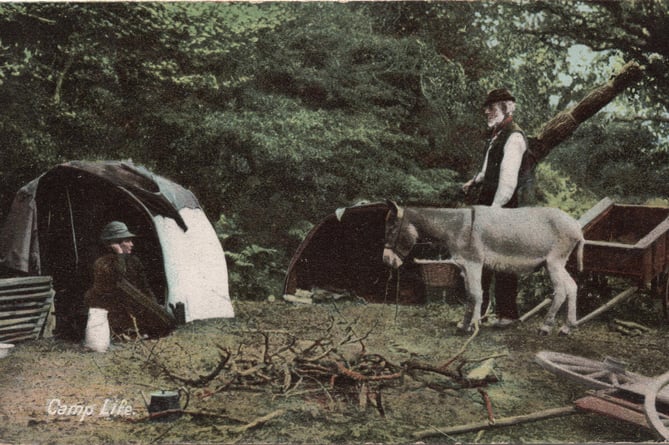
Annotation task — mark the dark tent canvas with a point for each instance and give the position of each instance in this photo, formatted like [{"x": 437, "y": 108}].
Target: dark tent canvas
[
  {"x": 55, "y": 221},
  {"x": 344, "y": 251}
]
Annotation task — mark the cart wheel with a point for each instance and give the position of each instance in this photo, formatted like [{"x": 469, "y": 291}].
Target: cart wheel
[
  {"x": 664, "y": 294},
  {"x": 660, "y": 288},
  {"x": 609, "y": 373},
  {"x": 657, "y": 389}
]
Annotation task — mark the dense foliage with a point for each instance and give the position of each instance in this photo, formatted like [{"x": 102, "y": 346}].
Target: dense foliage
[{"x": 275, "y": 114}]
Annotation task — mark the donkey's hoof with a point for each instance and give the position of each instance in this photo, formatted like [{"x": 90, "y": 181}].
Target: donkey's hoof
[
  {"x": 544, "y": 330},
  {"x": 564, "y": 331}
]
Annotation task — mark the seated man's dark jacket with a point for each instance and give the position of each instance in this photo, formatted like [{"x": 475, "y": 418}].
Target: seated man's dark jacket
[{"x": 108, "y": 270}]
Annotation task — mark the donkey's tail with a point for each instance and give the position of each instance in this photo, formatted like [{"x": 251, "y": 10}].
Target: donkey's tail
[{"x": 579, "y": 254}]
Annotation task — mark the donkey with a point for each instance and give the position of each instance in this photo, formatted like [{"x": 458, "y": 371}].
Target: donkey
[{"x": 510, "y": 240}]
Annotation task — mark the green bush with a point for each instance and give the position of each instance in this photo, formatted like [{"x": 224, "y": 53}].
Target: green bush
[
  {"x": 555, "y": 189},
  {"x": 254, "y": 272}
]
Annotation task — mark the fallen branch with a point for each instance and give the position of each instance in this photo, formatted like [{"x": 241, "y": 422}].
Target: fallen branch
[
  {"x": 463, "y": 348},
  {"x": 505, "y": 421},
  {"x": 535, "y": 310},
  {"x": 488, "y": 406},
  {"x": 624, "y": 295},
  {"x": 257, "y": 422},
  {"x": 415, "y": 365},
  {"x": 173, "y": 412},
  {"x": 631, "y": 325},
  {"x": 482, "y": 359},
  {"x": 455, "y": 376},
  {"x": 343, "y": 370},
  {"x": 201, "y": 380}
]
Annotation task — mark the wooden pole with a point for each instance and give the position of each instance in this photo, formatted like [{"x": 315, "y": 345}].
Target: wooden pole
[
  {"x": 535, "y": 310},
  {"x": 624, "y": 295},
  {"x": 505, "y": 421},
  {"x": 74, "y": 235}
]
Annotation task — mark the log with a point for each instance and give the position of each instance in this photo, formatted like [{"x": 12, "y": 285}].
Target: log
[
  {"x": 624, "y": 295},
  {"x": 504, "y": 421},
  {"x": 257, "y": 422},
  {"x": 155, "y": 320},
  {"x": 565, "y": 123},
  {"x": 39, "y": 296},
  {"x": 22, "y": 281},
  {"x": 35, "y": 310},
  {"x": 16, "y": 337},
  {"x": 535, "y": 310},
  {"x": 18, "y": 321},
  {"x": 25, "y": 289},
  {"x": 631, "y": 325}
]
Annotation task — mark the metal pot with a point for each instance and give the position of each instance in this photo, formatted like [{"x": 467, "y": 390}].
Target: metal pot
[{"x": 166, "y": 401}]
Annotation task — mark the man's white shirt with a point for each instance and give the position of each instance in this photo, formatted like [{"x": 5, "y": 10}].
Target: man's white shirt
[{"x": 514, "y": 149}]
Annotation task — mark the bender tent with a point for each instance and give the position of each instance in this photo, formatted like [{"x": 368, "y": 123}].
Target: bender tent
[
  {"x": 55, "y": 221},
  {"x": 343, "y": 253}
]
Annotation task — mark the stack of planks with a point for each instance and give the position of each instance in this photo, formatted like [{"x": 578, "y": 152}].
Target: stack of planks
[{"x": 25, "y": 303}]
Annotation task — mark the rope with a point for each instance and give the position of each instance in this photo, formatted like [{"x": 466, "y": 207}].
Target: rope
[
  {"x": 397, "y": 295},
  {"x": 397, "y": 290},
  {"x": 390, "y": 277},
  {"x": 74, "y": 235}
]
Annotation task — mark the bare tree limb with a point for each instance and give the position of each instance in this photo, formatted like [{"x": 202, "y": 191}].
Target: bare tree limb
[
  {"x": 61, "y": 79},
  {"x": 565, "y": 123}
]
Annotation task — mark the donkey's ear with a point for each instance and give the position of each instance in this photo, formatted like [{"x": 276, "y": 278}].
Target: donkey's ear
[{"x": 392, "y": 205}]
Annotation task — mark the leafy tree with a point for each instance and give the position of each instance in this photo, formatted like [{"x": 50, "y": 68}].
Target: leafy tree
[
  {"x": 636, "y": 30},
  {"x": 620, "y": 153},
  {"x": 275, "y": 114}
]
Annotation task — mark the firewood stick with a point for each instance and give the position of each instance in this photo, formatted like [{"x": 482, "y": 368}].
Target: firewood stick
[
  {"x": 504, "y": 421},
  {"x": 536, "y": 309},
  {"x": 608, "y": 305},
  {"x": 488, "y": 406},
  {"x": 631, "y": 325},
  {"x": 179, "y": 411},
  {"x": 257, "y": 422},
  {"x": 463, "y": 348}
]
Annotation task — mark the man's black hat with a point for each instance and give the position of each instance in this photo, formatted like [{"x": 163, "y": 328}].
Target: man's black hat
[{"x": 498, "y": 95}]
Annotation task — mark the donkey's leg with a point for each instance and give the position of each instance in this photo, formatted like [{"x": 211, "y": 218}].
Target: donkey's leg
[
  {"x": 559, "y": 295},
  {"x": 472, "y": 278},
  {"x": 572, "y": 292}
]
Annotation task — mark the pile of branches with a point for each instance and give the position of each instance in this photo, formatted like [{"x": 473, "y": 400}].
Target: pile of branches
[{"x": 338, "y": 366}]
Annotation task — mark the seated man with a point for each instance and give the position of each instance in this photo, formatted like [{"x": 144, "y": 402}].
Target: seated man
[{"x": 111, "y": 273}]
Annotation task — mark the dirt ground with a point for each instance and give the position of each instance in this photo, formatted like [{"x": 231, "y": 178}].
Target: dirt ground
[{"x": 53, "y": 391}]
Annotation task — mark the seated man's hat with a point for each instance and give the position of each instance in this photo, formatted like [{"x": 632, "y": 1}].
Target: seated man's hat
[{"x": 116, "y": 230}]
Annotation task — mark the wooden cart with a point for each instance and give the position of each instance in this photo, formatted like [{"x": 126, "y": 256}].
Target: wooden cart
[
  {"x": 614, "y": 391},
  {"x": 626, "y": 241}
]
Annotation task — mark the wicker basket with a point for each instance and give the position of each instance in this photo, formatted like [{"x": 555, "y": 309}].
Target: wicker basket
[{"x": 439, "y": 273}]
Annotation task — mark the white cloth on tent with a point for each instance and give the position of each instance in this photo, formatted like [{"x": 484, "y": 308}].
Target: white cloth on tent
[{"x": 195, "y": 266}]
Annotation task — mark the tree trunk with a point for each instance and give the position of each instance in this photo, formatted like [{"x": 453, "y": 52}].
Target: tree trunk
[{"x": 565, "y": 123}]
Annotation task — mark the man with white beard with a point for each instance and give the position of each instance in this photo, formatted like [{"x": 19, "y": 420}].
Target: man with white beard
[{"x": 500, "y": 179}]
